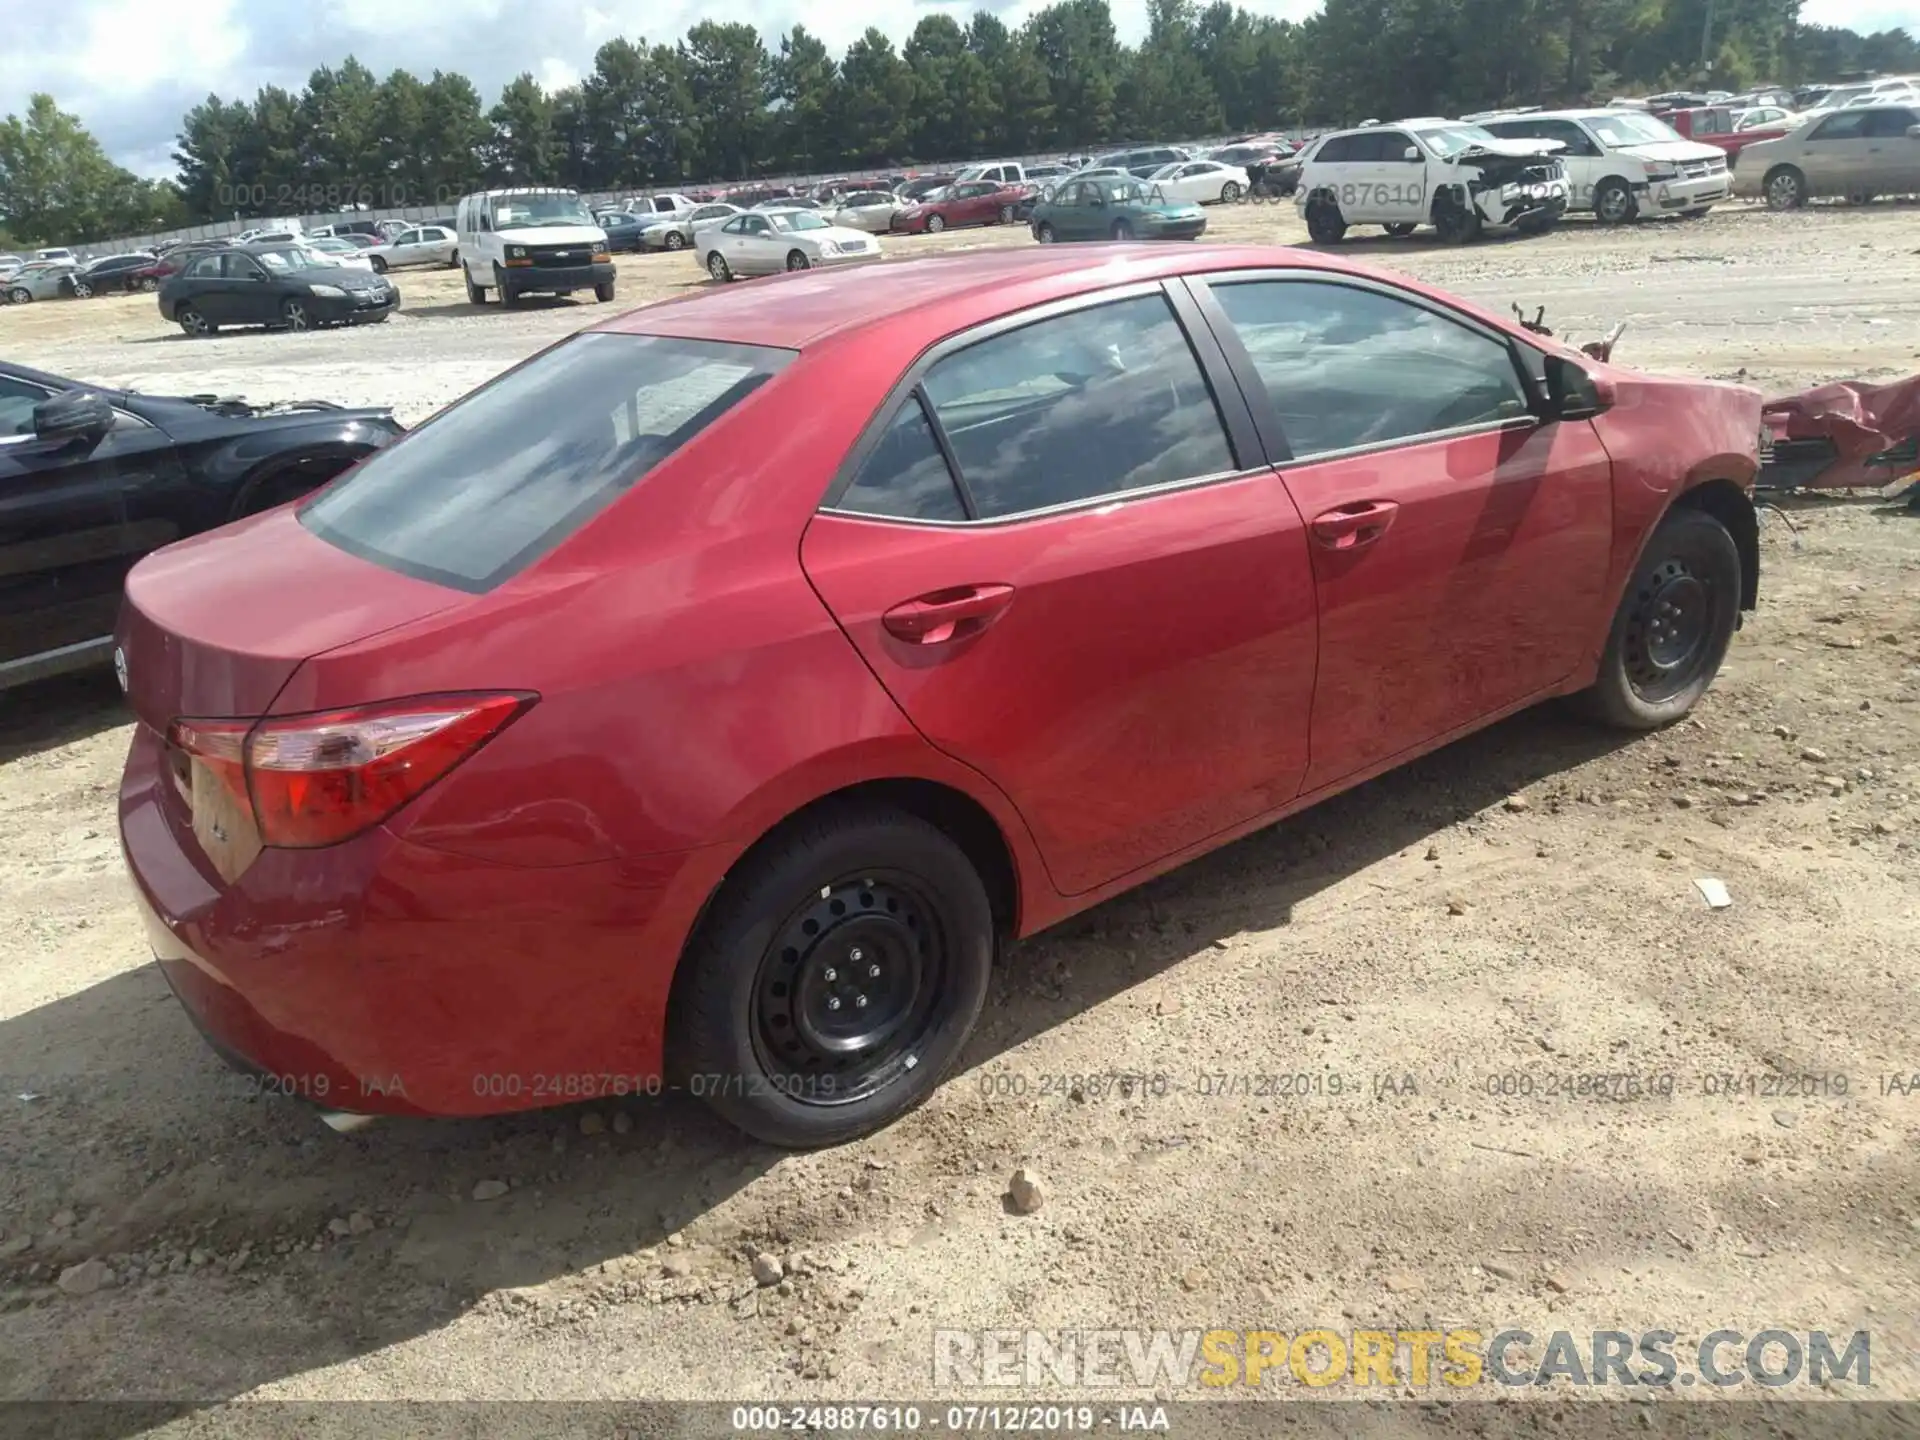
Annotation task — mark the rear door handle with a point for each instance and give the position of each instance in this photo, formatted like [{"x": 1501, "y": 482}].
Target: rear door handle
[
  {"x": 946, "y": 615},
  {"x": 1351, "y": 526}
]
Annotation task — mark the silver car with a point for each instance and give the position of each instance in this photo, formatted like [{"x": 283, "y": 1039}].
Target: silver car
[
  {"x": 1857, "y": 152},
  {"x": 46, "y": 280},
  {"x": 869, "y": 210},
  {"x": 677, "y": 233}
]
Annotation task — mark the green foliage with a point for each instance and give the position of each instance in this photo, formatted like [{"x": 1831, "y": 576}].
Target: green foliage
[{"x": 722, "y": 104}]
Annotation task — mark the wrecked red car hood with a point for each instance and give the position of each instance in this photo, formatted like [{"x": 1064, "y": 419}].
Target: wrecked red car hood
[{"x": 1847, "y": 435}]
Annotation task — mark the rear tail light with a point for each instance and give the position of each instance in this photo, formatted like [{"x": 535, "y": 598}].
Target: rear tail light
[{"x": 313, "y": 780}]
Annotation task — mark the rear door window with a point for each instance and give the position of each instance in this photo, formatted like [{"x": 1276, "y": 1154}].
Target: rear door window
[
  {"x": 500, "y": 478},
  {"x": 1095, "y": 402}
]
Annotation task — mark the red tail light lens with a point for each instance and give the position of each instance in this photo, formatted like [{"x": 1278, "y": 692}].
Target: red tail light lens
[{"x": 313, "y": 780}]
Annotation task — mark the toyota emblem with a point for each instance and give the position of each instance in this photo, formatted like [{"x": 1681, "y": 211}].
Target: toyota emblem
[{"x": 120, "y": 668}]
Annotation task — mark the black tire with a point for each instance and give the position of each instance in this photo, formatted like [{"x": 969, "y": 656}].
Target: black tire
[
  {"x": 718, "y": 268},
  {"x": 1122, "y": 230},
  {"x": 1325, "y": 224},
  {"x": 476, "y": 294},
  {"x": 1006, "y": 214},
  {"x": 675, "y": 240},
  {"x": 1613, "y": 202},
  {"x": 760, "y": 1047},
  {"x": 379, "y": 263},
  {"x": 294, "y": 316},
  {"x": 1455, "y": 223},
  {"x": 196, "y": 325},
  {"x": 453, "y": 261},
  {"x": 147, "y": 284},
  {"x": 936, "y": 223},
  {"x": 19, "y": 295},
  {"x": 1400, "y": 229},
  {"x": 508, "y": 299},
  {"x": 797, "y": 260},
  {"x": 1785, "y": 188},
  {"x": 603, "y": 293},
  {"x": 1230, "y": 193},
  {"x": 1673, "y": 627},
  {"x": 1043, "y": 232}
]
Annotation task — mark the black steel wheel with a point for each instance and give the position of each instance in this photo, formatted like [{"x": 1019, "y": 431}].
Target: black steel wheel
[
  {"x": 1325, "y": 224},
  {"x": 1674, "y": 624},
  {"x": 835, "y": 978}
]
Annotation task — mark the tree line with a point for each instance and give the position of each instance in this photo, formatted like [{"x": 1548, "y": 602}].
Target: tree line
[{"x": 721, "y": 104}]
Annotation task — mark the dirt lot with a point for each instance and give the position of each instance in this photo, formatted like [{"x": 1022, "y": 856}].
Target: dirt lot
[{"x": 1519, "y": 905}]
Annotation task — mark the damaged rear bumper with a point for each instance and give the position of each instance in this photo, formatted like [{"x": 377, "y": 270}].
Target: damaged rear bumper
[{"x": 1844, "y": 436}]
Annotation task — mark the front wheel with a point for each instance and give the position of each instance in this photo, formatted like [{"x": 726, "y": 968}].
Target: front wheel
[
  {"x": 1230, "y": 192},
  {"x": 797, "y": 260},
  {"x": 1044, "y": 234},
  {"x": 603, "y": 293},
  {"x": 1122, "y": 230},
  {"x": 19, "y": 295},
  {"x": 1786, "y": 189},
  {"x": 1613, "y": 203},
  {"x": 1455, "y": 223},
  {"x": 1673, "y": 627},
  {"x": 379, "y": 263},
  {"x": 507, "y": 298},
  {"x": 453, "y": 261},
  {"x": 293, "y": 315},
  {"x": 835, "y": 980},
  {"x": 1400, "y": 229}
]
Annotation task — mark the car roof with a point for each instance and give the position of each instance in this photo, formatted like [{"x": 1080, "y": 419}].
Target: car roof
[{"x": 939, "y": 293}]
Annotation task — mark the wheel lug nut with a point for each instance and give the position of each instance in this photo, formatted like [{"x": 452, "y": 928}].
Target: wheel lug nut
[
  {"x": 873, "y": 972},
  {"x": 833, "y": 1002},
  {"x": 855, "y": 955},
  {"x": 859, "y": 1002},
  {"x": 830, "y": 974}
]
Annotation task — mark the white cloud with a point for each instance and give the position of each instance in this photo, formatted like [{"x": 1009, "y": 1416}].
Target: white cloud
[{"x": 131, "y": 80}]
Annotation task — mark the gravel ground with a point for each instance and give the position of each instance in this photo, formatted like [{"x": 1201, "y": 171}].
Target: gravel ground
[{"x": 1520, "y": 905}]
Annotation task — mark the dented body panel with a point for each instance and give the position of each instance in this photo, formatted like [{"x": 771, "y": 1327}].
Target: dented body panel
[{"x": 1844, "y": 436}]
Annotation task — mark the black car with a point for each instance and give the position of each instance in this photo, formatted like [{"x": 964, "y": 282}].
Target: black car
[
  {"x": 116, "y": 272},
  {"x": 922, "y": 186},
  {"x": 97, "y": 478},
  {"x": 283, "y": 286},
  {"x": 623, "y": 228}
]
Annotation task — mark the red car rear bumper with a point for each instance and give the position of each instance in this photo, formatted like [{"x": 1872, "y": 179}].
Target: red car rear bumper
[{"x": 383, "y": 977}]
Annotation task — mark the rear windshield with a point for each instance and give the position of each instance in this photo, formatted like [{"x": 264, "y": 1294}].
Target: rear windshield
[{"x": 500, "y": 478}]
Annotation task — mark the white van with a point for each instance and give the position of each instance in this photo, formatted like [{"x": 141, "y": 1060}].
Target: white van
[{"x": 531, "y": 242}]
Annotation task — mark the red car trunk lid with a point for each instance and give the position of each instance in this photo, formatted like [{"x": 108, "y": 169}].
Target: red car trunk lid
[{"x": 215, "y": 625}]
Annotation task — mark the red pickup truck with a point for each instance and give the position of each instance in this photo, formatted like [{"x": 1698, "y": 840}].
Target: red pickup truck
[{"x": 1713, "y": 125}]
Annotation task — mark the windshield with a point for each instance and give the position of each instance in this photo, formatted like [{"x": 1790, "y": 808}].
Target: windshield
[
  {"x": 535, "y": 212},
  {"x": 1627, "y": 128},
  {"x": 798, "y": 220},
  {"x": 476, "y": 493},
  {"x": 1447, "y": 141}
]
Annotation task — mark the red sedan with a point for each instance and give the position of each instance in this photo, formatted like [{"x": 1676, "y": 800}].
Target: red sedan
[
  {"x": 971, "y": 202},
  {"x": 712, "y": 695}
]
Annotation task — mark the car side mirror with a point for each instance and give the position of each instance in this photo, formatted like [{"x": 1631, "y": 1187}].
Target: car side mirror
[
  {"x": 73, "y": 416},
  {"x": 1411, "y": 154},
  {"x": 1574, "y": 392}
]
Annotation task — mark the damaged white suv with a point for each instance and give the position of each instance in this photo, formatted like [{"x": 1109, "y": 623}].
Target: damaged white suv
[{"x": 1453, "y": 176}]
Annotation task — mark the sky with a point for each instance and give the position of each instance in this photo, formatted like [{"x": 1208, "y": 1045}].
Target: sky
[{"x": 130, "y": 80}]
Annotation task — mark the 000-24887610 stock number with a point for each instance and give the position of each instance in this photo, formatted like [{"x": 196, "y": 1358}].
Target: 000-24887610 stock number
[{"x": 320, "y": 196}]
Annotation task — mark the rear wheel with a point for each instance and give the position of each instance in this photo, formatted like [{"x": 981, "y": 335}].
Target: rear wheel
[
  {"x": 1786, "y": 188},
  {"x": 1673, "y": 627},
  {"x": 936, "y": 223},
  {"x": 147, "y": 284},
  {"x": 1325, "y": 224},
  {"x": 1122, "y": 230},
  {"x": 836, "y": 978},
  {"x": 453, "y": 261},
  {"x": 1006, "y": 214},
  {"x": 193, "y": 323},
  {"x": 718, "y": 268},
  {"x": 476, "y": 294}
]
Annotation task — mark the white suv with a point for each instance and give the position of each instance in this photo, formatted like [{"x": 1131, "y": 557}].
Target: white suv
[
  {"x": 1453, "y": 176},
  {"x": 1623, "y": 164}
]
